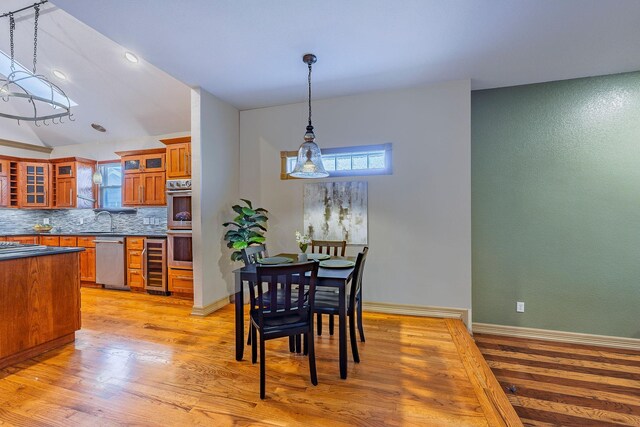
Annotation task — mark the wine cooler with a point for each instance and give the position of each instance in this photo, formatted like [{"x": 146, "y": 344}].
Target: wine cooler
[{"x": 155, "y": 268}]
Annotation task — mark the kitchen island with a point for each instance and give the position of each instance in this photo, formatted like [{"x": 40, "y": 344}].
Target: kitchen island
[{"x": 39, "y": 300}]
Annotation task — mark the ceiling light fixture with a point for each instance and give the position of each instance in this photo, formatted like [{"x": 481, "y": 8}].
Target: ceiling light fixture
[
  {"x": 28, "y": 95},
  {"x": 98, "y": 127},
  {"x": 131, "y": 57},
  {"x": 309, "y": 163},
  {"x": 59, "y": 74}
]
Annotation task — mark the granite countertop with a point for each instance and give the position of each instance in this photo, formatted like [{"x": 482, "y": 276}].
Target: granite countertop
[
  {"x": 155, "y": 235},
  {"x": 8, "y": 254}
]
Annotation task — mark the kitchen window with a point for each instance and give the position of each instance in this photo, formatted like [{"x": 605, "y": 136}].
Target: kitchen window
[
  {"x": 346, "y": 161},
  {"x": 111, "y": 187}
]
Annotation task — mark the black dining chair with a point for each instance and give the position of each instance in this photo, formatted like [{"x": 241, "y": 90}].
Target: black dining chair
[
  {"x": 334, "y": 248},
  {"x": 284, "y": 311},
  {"x": 328, "y": 303},
  {"x": 251, "y": 255}
]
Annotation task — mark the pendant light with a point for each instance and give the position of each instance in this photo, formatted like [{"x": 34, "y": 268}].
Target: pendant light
[{"x": 309, "y": 163}]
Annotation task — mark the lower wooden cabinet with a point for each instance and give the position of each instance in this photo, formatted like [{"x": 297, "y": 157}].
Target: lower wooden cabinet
[
  {"x": 49, "y": 240},
  {"x": 88, "y": 265},
  {"x": 181, "y": 281},
  {"x": 87, "y": 258},
  {"x": 26, "y": 240},
  {"x": 135, "y": 274}
]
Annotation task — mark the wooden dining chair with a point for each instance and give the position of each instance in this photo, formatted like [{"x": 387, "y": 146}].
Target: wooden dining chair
[
  {"x": 338, "y": 247},
  {"x": 328, "y": 302},
  {"x": 289, "y": 316}
]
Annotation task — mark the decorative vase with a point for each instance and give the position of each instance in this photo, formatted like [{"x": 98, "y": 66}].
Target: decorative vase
[{"x": 302, "y": 257}]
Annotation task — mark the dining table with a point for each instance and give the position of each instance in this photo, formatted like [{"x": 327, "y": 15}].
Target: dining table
[{"x": 337, "y": 278}]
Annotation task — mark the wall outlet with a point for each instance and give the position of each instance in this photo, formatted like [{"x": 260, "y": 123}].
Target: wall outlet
[
  {"x": 157, "y": 221},
  {"x": 145, "y": 220},
  {"x": 81, "y": 221},
  {"x": 45, "y": 221},
  {"x": 520, "y": 306}
]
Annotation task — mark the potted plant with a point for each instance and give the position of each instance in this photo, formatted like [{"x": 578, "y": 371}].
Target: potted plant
[
  {"x": 247, "y": 228},
  {"x": 303, "y": 242}
]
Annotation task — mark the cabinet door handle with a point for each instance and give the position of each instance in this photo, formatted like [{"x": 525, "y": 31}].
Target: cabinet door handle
[
  {"x": 71, "y": 197},
  {"x": 144, "y": 266},
  {"x": 184, "y": 277}
]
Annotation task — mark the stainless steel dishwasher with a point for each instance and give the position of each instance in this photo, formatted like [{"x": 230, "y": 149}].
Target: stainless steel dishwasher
[{"x": 110, "y": 262}]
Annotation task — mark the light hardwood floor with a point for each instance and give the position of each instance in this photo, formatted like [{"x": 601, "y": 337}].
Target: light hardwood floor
[
  {"x": 143, "y": 360},
  {"x": 566, "y": 384}
]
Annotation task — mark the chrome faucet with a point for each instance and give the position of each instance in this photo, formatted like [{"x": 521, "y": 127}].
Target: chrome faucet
[{"x": 110, "y": 219}]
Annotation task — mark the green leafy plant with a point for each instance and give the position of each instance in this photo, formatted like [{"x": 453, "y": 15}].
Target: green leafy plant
[{"x": 246, "y": 229}]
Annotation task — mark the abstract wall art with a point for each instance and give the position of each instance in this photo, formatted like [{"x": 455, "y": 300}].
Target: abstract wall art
[{"x": 336, "y": 211}]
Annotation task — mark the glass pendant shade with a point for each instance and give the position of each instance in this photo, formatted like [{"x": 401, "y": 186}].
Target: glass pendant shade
[
  {"x": 97, "y": 178},
  {"x": 309, "y": 163}
]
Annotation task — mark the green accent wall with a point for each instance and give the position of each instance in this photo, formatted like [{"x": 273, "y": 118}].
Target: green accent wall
[{"x": 555, "y": 190}]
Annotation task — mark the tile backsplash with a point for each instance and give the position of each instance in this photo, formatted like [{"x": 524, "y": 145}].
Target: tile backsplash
[{"x": 14, "y": 221}]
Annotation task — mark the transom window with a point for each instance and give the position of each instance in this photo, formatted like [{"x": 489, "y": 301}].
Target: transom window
[{"x": 346, "y": 161}]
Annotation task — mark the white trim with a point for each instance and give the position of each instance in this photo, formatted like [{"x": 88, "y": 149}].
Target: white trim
[
  {"x": 558, "y": 336},
  {"x": 210, "y": 308},
  {"x": 463, "y": 314}
]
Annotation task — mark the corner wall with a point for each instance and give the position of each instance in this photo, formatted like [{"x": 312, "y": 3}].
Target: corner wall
[
  {"x": 556, "y": 205},
  {"x": 419, "y": 217},
  {"x": 214, "y": 148}
]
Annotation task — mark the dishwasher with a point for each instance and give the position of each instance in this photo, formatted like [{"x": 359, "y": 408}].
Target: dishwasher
[{"x": 110, "y": 262}]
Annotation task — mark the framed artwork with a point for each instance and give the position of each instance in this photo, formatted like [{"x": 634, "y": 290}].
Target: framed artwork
[{"x": 336, "y": 211}]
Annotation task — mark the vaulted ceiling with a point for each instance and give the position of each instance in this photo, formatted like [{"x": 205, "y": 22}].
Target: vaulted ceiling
[{"x": 248, "y": 52}]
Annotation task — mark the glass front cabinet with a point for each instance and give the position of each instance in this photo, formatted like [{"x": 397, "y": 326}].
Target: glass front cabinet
[{"x": 34, "y": 179}]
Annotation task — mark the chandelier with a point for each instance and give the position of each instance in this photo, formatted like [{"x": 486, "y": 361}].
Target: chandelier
[
  {"x": 309, "y": 162},
  {"x": 27, "y": 95}
]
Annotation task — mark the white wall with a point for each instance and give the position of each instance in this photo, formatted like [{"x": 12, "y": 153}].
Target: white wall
[
  {"x": 23, "y": 132},
  {"x": 106, "y": 150},
  {"x": 419, "y": 217},
  {"x": 215, "y": 150}
]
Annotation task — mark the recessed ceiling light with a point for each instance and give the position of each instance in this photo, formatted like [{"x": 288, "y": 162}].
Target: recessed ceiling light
[
  {"x": 59, "y": 74},
  {"x": 131, "y": 57},
  {"x": 98, "y": 127}
]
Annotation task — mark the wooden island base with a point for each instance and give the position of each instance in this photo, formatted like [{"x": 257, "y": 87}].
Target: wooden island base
[{"x": 39, "y": 304}]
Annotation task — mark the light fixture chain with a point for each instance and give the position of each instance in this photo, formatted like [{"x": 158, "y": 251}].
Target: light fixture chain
[
  {"x": 12, "y": 26},
  {"x": 35, "y": 36},
  {"x": 309, "y": 94}
]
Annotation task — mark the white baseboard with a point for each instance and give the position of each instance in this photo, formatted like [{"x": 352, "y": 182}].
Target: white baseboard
[
  {"x": 558, "y": 336},
  {"x": 210, "y": 308},
  {"x": 419, "y": 310}
]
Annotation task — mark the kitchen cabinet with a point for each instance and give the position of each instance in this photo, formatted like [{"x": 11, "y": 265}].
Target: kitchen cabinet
[
  {"x": 34, "y": 185},
  {"x": 143, "y": 163},
  {"x": 73, "y": 184},
  {"x": 153, "y": 189},
  {"x": 144, "y": 189},
  {"x": 135, "y": 277},
  {"x": 26, "y": 240},
  {"x": 181, "y": 282},
  {"x": 144, "y": 177},
  {"x": 87, "y": 258},
  {"x": 68, "y": 241},
  {"x": 49, "y": 240},
  {"x": 178, "y": 157}
]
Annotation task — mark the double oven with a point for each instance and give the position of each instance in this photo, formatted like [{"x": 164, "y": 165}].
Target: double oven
[{"x": 179, "y": 217}]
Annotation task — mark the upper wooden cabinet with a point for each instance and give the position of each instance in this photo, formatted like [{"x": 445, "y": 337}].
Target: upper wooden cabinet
[
  {"x": 143, "y": 163},
  {"x": 73, "y": 183},
  {"x": 178, "y": 157},
  {"x": 4, "y": 167},
  {"x": 144, "y": 180},
  {"x": 4, "y": 191},
  {"x": 34, "y": 185}
]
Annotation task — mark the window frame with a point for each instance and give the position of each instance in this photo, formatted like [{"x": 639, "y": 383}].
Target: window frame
[{"x": 387, "y": 170}]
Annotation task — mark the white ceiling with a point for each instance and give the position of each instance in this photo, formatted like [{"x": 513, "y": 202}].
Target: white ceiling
[
  {"x": 248, "y": 52},
  {"x": 129, "y": 100}
]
